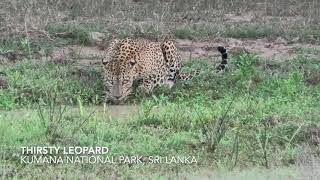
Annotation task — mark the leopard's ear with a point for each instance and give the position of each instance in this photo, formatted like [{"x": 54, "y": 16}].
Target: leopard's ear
[
  {"x": 105, "y": 60},
  {"x": 110, "y": 52}
]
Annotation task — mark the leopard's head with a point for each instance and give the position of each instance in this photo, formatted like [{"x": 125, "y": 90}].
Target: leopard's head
[{"x": 120, "y": 70}]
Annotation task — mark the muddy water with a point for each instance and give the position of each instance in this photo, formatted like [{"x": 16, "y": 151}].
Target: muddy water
[
  {"x": 109, "y": 112},
  {"x": 119, "y": 112}
]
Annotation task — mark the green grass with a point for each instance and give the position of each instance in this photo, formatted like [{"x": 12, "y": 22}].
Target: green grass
[
  {"x": 259, "y": 119},
  {"x": 304, "y": 50},
  {"x": 20, "y": 44},
  {"x": 251, "y": 31},
  {"x": 246, "y": 117},
  {"x": 75, "y": 33},
  {"x": 185, "y": 33},
  {"x": 56, "y": 35},
  {"x": 307, "y": 33},
  {"x": 32, "y": 82},
  {"x": 70, "y": 33}
]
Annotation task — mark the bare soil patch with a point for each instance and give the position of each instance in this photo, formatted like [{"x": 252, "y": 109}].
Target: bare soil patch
[
  {"x": 76, "y": 54},
  {"x": 11, "y": 57},
  {"x": 312, "y": 134},
  {"x": 278, "y": 50},
  {"x": 3, "y": 82}
]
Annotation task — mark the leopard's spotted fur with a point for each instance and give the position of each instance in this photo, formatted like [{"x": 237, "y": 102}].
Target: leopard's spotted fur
[{"x": 152, "y": 63}]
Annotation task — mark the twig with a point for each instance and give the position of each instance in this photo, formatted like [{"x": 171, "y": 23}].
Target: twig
[
  {"x": 64, "y": 34},
  {"x": 85, "y": 120}
]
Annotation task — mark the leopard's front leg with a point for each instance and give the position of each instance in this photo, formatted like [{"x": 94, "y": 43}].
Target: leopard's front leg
[{"x": 147, "y": 84}]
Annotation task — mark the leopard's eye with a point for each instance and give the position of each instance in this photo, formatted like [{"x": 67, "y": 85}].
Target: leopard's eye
[
  {"x": 125, "y": 81},
  {"x": 105, "y": 60}
]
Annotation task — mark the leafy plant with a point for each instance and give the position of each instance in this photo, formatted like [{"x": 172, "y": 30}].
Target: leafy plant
[
  {"x": 26, "y": 45},
  {"x": 246, "y": 64}
]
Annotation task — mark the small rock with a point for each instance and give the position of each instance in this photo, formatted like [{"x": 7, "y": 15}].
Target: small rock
[
  {"x": 295, "y": 40},
  {"x": 273, "y": 120},
  {"x": 62, "y": 16},
  {"x": 267, "y": 46},
  {"x": 42, "y": 52},
  {"x": 96, "y": 38},
  {"x": 280, "y": 40}
]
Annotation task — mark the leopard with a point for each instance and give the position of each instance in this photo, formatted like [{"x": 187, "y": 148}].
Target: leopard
[{"x": 139, "y": 61}]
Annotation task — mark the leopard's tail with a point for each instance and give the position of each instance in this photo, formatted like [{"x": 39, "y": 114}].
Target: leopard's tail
[
  {"x": 220, "y": 68},
  {"x": 224, "y": 55}
]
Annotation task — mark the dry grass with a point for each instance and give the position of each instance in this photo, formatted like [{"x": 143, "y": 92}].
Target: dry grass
[{"x": 152, "y": 19}]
